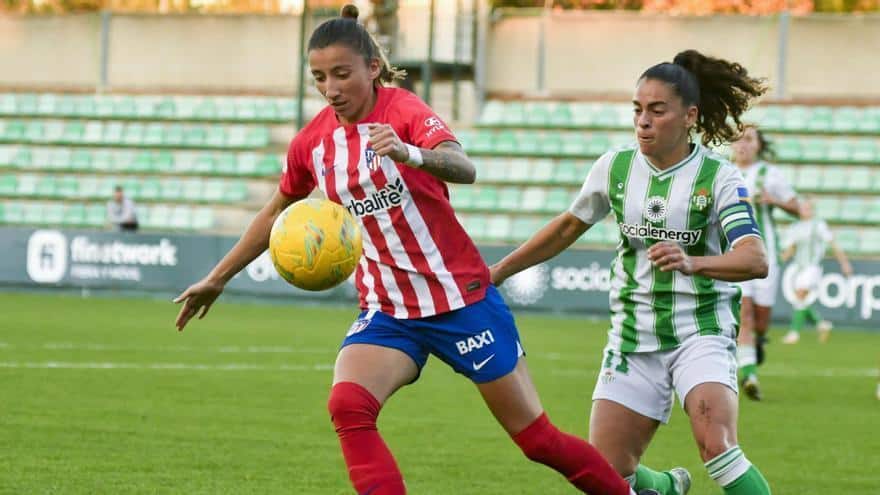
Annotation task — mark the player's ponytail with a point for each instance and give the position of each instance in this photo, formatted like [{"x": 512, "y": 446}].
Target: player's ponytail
[
  {"x": 719, "y": 89},
  {"x": 346, "y": 30}
]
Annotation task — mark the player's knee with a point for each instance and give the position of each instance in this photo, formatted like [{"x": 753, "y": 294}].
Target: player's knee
[
  {"x": 713, "y": 446},
  {"x": 352, "y": 407}
]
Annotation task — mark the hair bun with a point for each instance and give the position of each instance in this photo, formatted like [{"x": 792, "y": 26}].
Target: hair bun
[{"x": 349, "y": 11}]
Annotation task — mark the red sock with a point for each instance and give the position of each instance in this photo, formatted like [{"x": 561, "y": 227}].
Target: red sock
[
  {"x": 371, "y": 466},
  {"x": 573, "y": 457}
]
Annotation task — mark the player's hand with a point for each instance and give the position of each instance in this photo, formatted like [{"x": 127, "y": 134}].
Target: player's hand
[
  {"x": 847, "y": 270},
  {"x": 198, "y": 297},
  {"x": 766, "y": 198},
  {"x": 385, "y": 142},
  {"x": 669, "y": 256}
]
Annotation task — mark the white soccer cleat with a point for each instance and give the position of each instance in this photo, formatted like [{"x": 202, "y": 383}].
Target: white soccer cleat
[
  {"x": 682, "y": 479},
  {"x": 792, "y": 337},
  {"x": 823, "y": 329},
  {"x": 752, "y": 388}
]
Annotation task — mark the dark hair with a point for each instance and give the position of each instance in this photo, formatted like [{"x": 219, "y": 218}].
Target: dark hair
[
  {"x": 765, "y": 150},
  {"x": 719, "y": 89},
  {"x": 345, "y": 30}
]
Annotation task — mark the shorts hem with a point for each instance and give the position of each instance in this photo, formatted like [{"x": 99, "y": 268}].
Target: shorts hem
[{"x": 661, "y": 416}]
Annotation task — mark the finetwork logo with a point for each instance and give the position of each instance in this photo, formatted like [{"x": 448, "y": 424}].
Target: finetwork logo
[
  {"x": 528, "y": 286},
  {"x": 47, "y": 256}
]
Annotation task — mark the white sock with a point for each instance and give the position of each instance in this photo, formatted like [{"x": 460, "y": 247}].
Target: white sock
[
  {"x": 746, "y": 355},
  {"x": 728, "y": 467}
]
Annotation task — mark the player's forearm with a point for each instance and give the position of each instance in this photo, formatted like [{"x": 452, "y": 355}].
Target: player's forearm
[
  {"x": 746, "y": 261},
  {"x": 448, "y": 165},
  {"x": 252, "y": 243},
  {"x": 841, "y": 258},
  {"x": 791, "y": 206},
  {"x": 551, "y": 240}
]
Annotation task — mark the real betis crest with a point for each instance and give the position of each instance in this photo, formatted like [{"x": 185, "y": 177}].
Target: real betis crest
[{"x": 701, "y": 199}]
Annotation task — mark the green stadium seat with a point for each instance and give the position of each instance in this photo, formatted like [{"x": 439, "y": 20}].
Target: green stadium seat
[
  {"x": 514, "y": 114},
  {"x": 74, "y": 216},
  {"x": 519, "y": 170},
  {"x": 498, "y": 227},
  {"x": 853, "y": 209},
  {"x": 857, "y": 179},
  {"x": 60, "y": 159},
  {"x": 574, "y": 145},
  {"x": 568, "y": 172},
  {"x": 227, "y": 164},
  {"x": 150, "y": 190},
  {"x": 773, "y": 118},
  {"x": 7, "y": 105},
  {"x": 828, "y": 208},
  {"x": 504, "y": 143},
  {"x": 23, "y": 159},
  {"x": 215, "y": 136},
  {"x": 73, "y": 133},
  {"x": 839, "y": 151},
  {"x": 125, "y": 108},
  {"x": 462, "y": 196},
  {"x": 203, "y": 165},
  {"x": 8, "y": 185},
  {"x": 522, "y": 228},
  {"x": 598, "y": 144},
  {"x": 258, "y": 137},
  {"x": 174, "y": 135},
  {"x": 496, "y": 170},
  {"x": 266, "y": 110},
  {"x": 595, "y": 235},
  {"x": 247, "y": 164},
  {"x": 85, "y": 106},
  {"x": 7, "y": 154},
  {"x": 35, "y": 132},
  {"x": 194, "y": 136},
  {"x": 864, "y": 151},
  {"x": 165, "y": 108},
  {"x": 483, "y": 141},
  {"x": 537, "y": 115},
  {"x": 191, "y": 190},
  {"x": 202, "y": 219},
  {"x": 509, "y": 199},
  {"x": 485, "y": 198},
  {"x": 134, "y": 134},
  {"x": 833, "y": 181},
  {"x": 870, "y": 121},
  {"x": 583, "y": 115},
  {"x": 65, "y": 106},
  {"x": 541, "y": 170},
  {"x": 27, "y": 104},
  {"x": 820, "y": 120},
  {"x": 181, "y": 218},
  {"x": 46, "y": 105},
  {"x": 789, "y": 172},
  {"x": 96, "y": 215},
  {"x": 33, "y": 213},
  {"x": 845, "y": 119},
  {"x": 869, "y": 242},
  {"x": 53, "y": 214},
  {"x": 27, "y": 185},
  {"x": 13, "y": 130},
  {"x": 815, "y": 150},
  {"x": 67, "y": 187},
  {"x": 561, "y": 116},
  {"x": 103, "y": 161},
  {"x": 533, "y": 199},
  {"x": 548, "y": 144},
  {"x": 104, "y": 107},
  {"x": 558, "y": 200},
  {"x": 171, "y": 190},
  {"x": 156, "y": 217},
  {"x": 13, "y": 213},
  {"x": 492, "y": 114},
  {"x": 154, "y": 135},
  {"x": 795, "y": 118},
  {"x": 88, "y": 188},
  {"x": 528, "y": 142}
]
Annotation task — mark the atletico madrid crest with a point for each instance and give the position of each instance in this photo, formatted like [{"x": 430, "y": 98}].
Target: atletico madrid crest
[{"x": 374, "y": 161}]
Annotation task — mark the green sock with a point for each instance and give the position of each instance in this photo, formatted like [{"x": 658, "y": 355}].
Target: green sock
[
  {"x": 747, "y": 370},
  {"x": 798, "y": 318},
  {"x": 750, "y": 483},
  {"x": 736, "y": 474},
  {"x": 648, "y": 478},
  {"x": 813, "y": 314}
]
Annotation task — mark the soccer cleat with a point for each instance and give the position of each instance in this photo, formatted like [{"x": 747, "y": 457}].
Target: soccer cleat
[
  {"x": 682, "y": 480},
  {"x": 649, "y": 491},
  {"x": 792, "y": 337},
  {"x": 752, "y": 388},
  {"x": 823, "y": 330}
]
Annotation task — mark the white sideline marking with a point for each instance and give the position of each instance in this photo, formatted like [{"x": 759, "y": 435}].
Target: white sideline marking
[
  {"x": 70, "y": 346},
  {"x": 787, "y": 372},
  {"x": 164, "y": 366}
]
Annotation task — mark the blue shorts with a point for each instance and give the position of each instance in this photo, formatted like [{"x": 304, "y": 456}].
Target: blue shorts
[{"x": 479, "y": 341}]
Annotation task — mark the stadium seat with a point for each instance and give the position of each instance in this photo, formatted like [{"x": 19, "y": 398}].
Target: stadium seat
[
  {"x": 96, "y": 215},
  {"x": 573, "y": 145},
  {"x": 853, "y": 209},
  {"x": 8, "y": 185},
  {"x": 496, "y": 170},
  {"x": 788, "y": 149},
  {"x": 498, "y": 228},
  {"x": 541, "y": 171},
  {"x": 533, "y": 199},
  {"x": 869, "y": 242},
  {"x": 522, "y": 228},
  {"x": 12, "y": 213},
  {"x": 74, "y": 215},
  {"x": 485, "y": 198},
  {"x": 509, "y": 199},
  {"x": 567, "y": 172},
  {"x": 558, "y": 200},
  {"x": 864, "y": 151},
  {"x": 203, "y": 219},
  {"x": 519, "y": 170},
  {"x": 809, "y": 178}
]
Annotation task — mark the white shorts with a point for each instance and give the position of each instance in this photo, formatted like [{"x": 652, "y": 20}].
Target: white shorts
[
  {"x": 643, "y": 382},
  {"x": 808, "y": 278},
  {"x": 763, "y": 290}
]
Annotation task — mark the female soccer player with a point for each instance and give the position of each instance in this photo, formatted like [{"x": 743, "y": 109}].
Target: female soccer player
[
  {"x": 769, "y": 189},
  {"x": 424, "y": 289},
  {"x": 806, "y": 242},
  {"x": 686, "y": 234}
]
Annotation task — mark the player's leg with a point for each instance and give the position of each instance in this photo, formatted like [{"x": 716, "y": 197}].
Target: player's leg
[
  {"x": 492, "y": 358},
  {"x": 746, "y": 353},
  {"x": 764, "y": 298},
  {"x": 376, "y": 359},
  {"x": 704, "y": 373},
  {"x": 799, "y": 316}
]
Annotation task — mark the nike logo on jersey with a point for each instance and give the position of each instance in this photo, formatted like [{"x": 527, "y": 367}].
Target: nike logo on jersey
[{"x": 478, "y": 366}]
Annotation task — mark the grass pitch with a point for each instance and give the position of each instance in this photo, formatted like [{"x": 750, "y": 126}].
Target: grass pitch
[{"x": 103, "y": 396}]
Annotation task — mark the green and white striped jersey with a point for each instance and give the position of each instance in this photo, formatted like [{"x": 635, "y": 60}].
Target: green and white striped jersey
[
  {"x": 760, "y": 177},
  {"x": 810, "y": 238},
  {"x": 701, "y": 203}
]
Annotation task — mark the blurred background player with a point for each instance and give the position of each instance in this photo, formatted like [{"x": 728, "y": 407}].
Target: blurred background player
[
  {"x": 768, "y": 189},
  {"x": 806, "y": 241},
  {"x": 421, "y": 291},
  {"x": 121, "y": 212},
  {"x": 686, "y": 234}
]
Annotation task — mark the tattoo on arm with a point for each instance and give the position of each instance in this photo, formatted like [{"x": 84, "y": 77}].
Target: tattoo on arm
[{"x": 448, "y": 162}]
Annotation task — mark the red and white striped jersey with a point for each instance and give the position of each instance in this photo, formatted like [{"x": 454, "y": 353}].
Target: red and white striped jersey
[{"x": 418, "y": 261}]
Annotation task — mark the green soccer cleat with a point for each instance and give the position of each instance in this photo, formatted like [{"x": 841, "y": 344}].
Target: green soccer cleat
[
  {"x": 752, "y": 388},
  {"x": 681, "y": 479}
]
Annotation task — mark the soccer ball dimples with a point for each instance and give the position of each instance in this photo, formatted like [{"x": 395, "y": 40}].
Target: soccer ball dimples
[{"x": 315, "y": 244}]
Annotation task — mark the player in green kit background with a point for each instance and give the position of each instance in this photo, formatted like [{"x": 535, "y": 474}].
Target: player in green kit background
[
  {"x": 687, "y": 233},
  {"x": 769, "y": 190},
  {"x": 806, "y": 241}
]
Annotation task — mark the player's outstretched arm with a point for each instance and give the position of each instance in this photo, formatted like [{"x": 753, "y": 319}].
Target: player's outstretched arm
[
  {"x": 788, "y": 253},
  {"x": 198, "y": 298},
  {"x": 551, "y": 240},
  {"x": 845, "y": 266},
  {"x": 747, "y": 260}
]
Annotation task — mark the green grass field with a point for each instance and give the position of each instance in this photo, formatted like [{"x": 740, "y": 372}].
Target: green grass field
[{"x": 103, "y": 396}]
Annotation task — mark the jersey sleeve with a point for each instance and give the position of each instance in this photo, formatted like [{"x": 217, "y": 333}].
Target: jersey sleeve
[
  {"x": 423, "y": 128},
  {"x": 297, "y": 181},
  {"x": 824, "y": 232},
  {"x": 778, "y": 185},
  {"x": 791, "y": 235},
  {"x": 592, "y": 204},
  {"x": 733, "y": 208}
]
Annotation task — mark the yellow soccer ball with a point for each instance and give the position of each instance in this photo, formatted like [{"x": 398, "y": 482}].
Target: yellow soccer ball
[{"x": 315, "y": 244}]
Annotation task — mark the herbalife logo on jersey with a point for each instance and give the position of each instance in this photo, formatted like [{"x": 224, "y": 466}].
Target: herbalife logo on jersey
[
  {"x": 388, "y": 197},
  {"x": 648, "y": 231}
]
